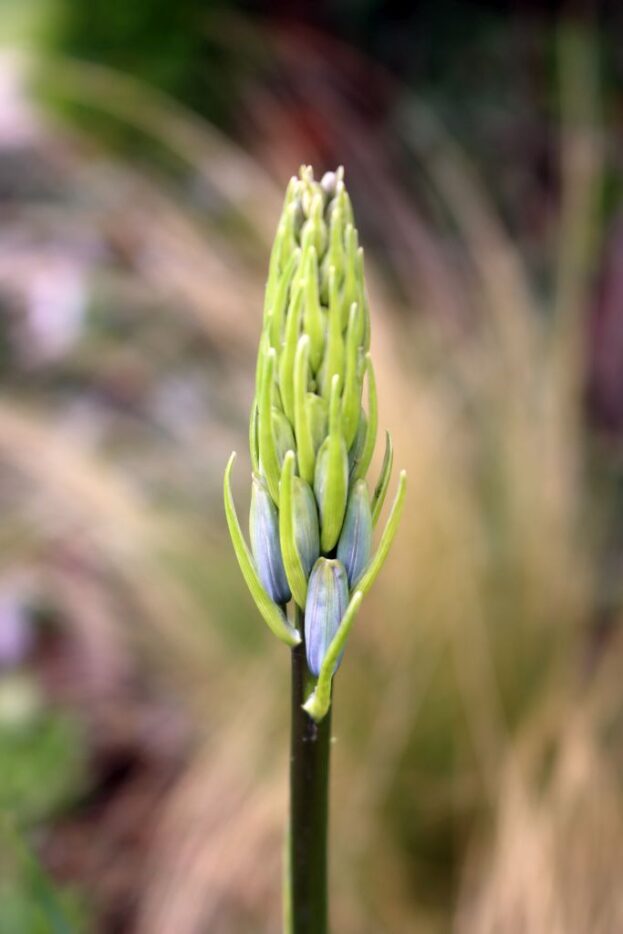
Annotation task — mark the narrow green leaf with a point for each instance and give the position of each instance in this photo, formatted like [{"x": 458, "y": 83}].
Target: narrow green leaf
[
  {"x": 302, "y": 425},
  {"x": 284, "y": 241},
  {"x": 318, "y": 703},
  {"x": 334, "y": 354},
  {"x": 373, "y": 414},
  {"x": 253, "y": 441},
  {"x": 345, "y": 203},
  {"x": 370, "y": 574},
  {"x": 280, "y": 302},
  {"x": 380, "y": 490},
  {"x": 363, "y": 300},
  {"x": 273, "y": 269},
  {"x": 313, "y": 323},
  {"x": 269, "y": 461},
  {"x": 263, "y": 348},
  {"x": 335, "y": 253},
  {"x": 273, "y": 615},
  {"x": 351, "y": 398},
  {"x": 350, "y": 281},
  {"x": 292, "y": 563},
  {"x": 289, "y": 231},
  {"x": 288, "y": 353}
]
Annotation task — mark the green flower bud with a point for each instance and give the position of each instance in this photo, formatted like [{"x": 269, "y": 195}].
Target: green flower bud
[
  {"x": 318, "y": 413},
  {"x": 355, "y": 544},
  {"x": 314, "y": 319},
  {"x": 331, "y": 476},
  {"x": 283, "y": 434},
  {"x": 265, "y": 546},
  {"x": 314, "y": 230},
  {"x": 327, "y": 599},
  {"x": 333, "y": 362}
]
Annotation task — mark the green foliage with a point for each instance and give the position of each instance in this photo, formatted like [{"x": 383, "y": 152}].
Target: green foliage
[
  {"x": 29, "y": 901},
  {"x": 41, "y": 752},
  {"x": 42, "y": 771},
  {"x": 164, "y": 44}
]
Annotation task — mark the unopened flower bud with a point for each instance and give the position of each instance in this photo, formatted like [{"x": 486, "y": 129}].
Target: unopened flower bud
[
  {"x": 331, "y": 476},
  {"x": 264, "y": 534},
  {"x": 306, "y": 528},
  {"x": 328, "y": 183},
  {"x": 327, "y": 599},
  {"x": 282, "y": 433},
  {"x": 318, "y": 418},
  {"x": 355, "y": 544},
  {"x": 314, "y": 230}
]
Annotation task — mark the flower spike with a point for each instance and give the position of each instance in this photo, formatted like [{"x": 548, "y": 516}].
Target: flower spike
[{"x": 312, "y": 435}]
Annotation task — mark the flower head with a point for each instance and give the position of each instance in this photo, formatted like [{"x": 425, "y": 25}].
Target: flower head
[{"x": 311, "y": 439}]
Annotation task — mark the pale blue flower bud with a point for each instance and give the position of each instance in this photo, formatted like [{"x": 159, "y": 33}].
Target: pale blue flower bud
[
  {"x": 355, "y": 544},
  {"x": 327, "y": 599},
  {"x": 264, "y": 534}
]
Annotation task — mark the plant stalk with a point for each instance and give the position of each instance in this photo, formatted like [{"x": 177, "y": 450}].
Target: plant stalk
[{"x": 309, "y": 806}]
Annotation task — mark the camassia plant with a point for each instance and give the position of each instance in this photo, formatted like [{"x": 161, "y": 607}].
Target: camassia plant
[{"x": 312, "y": 516}]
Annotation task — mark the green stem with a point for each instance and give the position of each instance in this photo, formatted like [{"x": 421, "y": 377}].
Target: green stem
[{"x": 309, "y": 805}]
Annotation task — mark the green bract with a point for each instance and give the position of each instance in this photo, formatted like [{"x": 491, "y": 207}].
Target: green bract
[{"x": 311, "y": 439}]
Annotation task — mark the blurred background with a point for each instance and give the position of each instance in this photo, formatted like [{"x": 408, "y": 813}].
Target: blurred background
[{"x": 478, "y": 763}]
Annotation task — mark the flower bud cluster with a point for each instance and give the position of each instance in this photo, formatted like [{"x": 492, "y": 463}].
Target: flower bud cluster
[{"x": 311, "y": 442}]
